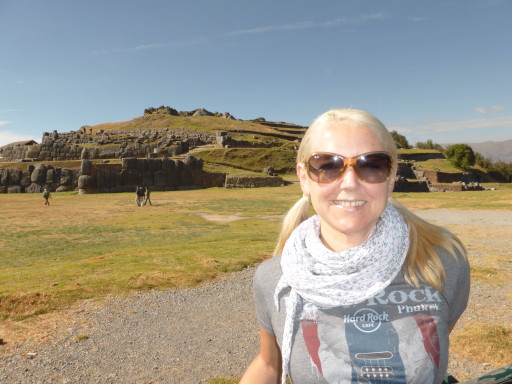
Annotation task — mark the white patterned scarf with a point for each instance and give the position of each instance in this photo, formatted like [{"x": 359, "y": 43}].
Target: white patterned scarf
[{"x": 328, "y": 279}]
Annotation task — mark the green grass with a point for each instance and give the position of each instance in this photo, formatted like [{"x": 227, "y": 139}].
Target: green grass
[
  {"x": 281, "y": 158},
  {"x": 93, "y": 245},
  {"x": 499, "y": 199}
]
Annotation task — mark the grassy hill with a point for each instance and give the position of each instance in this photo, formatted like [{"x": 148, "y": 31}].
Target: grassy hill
[
  {"x": 265, "y": 143},
  {"x": 281, "y": 140}
]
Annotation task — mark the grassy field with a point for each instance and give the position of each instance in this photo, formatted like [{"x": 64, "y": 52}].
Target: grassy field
[
  {"x": 89, "y": 246},
  {"x": 93, "y": 245}
]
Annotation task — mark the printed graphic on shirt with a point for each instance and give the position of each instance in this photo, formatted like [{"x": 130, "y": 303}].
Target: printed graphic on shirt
[
  {"x": 373, "y": 348},
  {"x": 389, "y": 338}
]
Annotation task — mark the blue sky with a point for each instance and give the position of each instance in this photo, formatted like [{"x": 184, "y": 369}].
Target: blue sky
[{"x": 439, "y": 70}]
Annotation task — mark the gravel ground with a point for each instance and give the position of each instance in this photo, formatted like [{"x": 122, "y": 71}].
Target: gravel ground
[{"x": 190, "y": 336}]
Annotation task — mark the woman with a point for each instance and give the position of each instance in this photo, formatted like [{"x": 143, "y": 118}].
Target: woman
[{"x": 363, "y": 291}]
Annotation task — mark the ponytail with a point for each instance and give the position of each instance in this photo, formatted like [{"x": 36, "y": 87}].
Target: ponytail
[
  {"x": 423, "y": 264},
  {"x": 296, "y": 215}
]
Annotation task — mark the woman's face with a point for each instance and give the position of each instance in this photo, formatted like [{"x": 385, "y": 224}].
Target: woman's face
[{"x": 349, "y": 208}]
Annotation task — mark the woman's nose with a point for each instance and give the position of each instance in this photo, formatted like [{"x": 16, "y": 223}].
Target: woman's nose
[{"x": 349, "y": 178}]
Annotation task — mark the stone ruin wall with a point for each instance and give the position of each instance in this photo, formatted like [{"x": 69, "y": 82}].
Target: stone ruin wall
[
  {"x": 159, "y": 174},
  {"x": 433, "y": 181},
  {"x": 111, "y": 144},
  {"x": 119, "y": 144}
]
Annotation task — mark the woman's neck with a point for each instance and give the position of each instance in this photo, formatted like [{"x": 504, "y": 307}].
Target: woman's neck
[{"x": 338, "y": 242}]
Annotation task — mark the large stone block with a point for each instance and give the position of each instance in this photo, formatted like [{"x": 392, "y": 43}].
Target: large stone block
[
  {"x": 85, "y": 181},
  {"x": 25, "y": 180},
  {"x": 172, "y": 179},
  {"x": 64, "y": 188},
  {"x": 38, "y": 175},
  {"x": 4, "y": 177},
  {"x": 85, "y": 167},
  {"x": 142, "y": 165},
  {"x": 110, "y": 179},
  {"x": 185, "y": 177},
  {"x": 154, "y": 164},
  {"x": 34, "y": 188},
  {"x": 168, "y": 164},
  {"x": 33, "y": 152},
  {"x": 130, "y": 177},
  {"x": 14, "y": 176},
  {"x": 197, "y": 176},
  {"x": 129, "y": 163},
  {"x": 66, "y": 177},
  {"x": 179, "y": 165},
  {"x": 160, "y": 178},
  {"x": 100, "y": 179},
  {"x": 147, "y": 178},
  {"x": 193, "y": 163},
  {"x": 14, "y": 189},
  {"x": 50, "y": 176}
]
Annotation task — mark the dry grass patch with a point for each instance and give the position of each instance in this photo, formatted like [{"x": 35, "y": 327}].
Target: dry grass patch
[
  {"x": 484, "y": 343},
  {"x": 486, "y": 275},
  {"x": 23, "y": 305}
]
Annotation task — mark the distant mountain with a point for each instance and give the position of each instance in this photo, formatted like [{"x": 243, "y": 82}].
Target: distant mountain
[{"x": 495, "y": 150}]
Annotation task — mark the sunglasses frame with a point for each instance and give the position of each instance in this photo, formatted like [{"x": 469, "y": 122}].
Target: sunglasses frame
[{"x": 349, "y": 161}]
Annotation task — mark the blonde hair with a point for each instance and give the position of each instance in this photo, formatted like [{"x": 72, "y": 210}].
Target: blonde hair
[{"x": 422, "y": 264}]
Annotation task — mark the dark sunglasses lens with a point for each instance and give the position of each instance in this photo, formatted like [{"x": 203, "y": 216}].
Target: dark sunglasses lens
[
  {"x": 374, "y": 167},
  {"x": 325, "y": 168}
]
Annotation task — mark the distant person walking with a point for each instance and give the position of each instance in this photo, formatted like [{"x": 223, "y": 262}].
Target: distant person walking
[
  {"x": 147, "y": 192},
  {"x": 139, "y": 199},
  {"x": 46, "y": 195}
]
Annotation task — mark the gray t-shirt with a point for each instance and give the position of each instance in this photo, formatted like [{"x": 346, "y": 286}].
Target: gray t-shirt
[{"x": 398, "y": 336}]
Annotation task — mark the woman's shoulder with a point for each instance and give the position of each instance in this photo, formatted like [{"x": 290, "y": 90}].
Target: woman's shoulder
[
  {"x": 453, "y": 262},
  {"x": 269, "y": 271}
]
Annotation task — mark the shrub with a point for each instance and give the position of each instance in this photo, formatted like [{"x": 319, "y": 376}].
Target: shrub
[{"x": 460, "y": 155}]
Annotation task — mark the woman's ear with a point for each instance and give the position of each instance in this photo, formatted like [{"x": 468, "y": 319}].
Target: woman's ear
[{"x": 303, "y": 178}]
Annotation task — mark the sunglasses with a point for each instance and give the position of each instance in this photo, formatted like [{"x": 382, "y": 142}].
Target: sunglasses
[{"x": 372, "y": 167}]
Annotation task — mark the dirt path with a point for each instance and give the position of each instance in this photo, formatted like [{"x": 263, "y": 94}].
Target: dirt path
[{"x": 190, "y": 336}]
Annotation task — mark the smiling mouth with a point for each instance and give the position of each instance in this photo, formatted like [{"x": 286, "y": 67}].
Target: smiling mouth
[{"x": 344, "y": 203}]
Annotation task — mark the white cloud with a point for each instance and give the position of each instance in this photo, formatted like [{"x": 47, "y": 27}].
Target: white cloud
[
  {"x": 7, "y": 137},
  {"x": 451, "y": 126},
  {"x": 310, "y": 24},
  {"x": 485, "y": 111},
  {"x": 271, "y": 28},
  {"x": 145, "y": 47}
]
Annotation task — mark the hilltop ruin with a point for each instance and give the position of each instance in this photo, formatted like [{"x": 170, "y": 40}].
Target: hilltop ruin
[{"x": 161, "y": 158}]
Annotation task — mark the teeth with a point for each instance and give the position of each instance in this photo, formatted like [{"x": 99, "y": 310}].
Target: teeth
[{"x": 349, "y": 203}]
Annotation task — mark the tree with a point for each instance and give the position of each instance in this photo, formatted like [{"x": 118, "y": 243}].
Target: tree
[
  {"x": 400, "y": 140},
  {"x": 460, "y": 155},
  {"x": 429, "y": 144},
  {"x": 482, "y": 161},
  {"x": 504, "y": 169}
]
